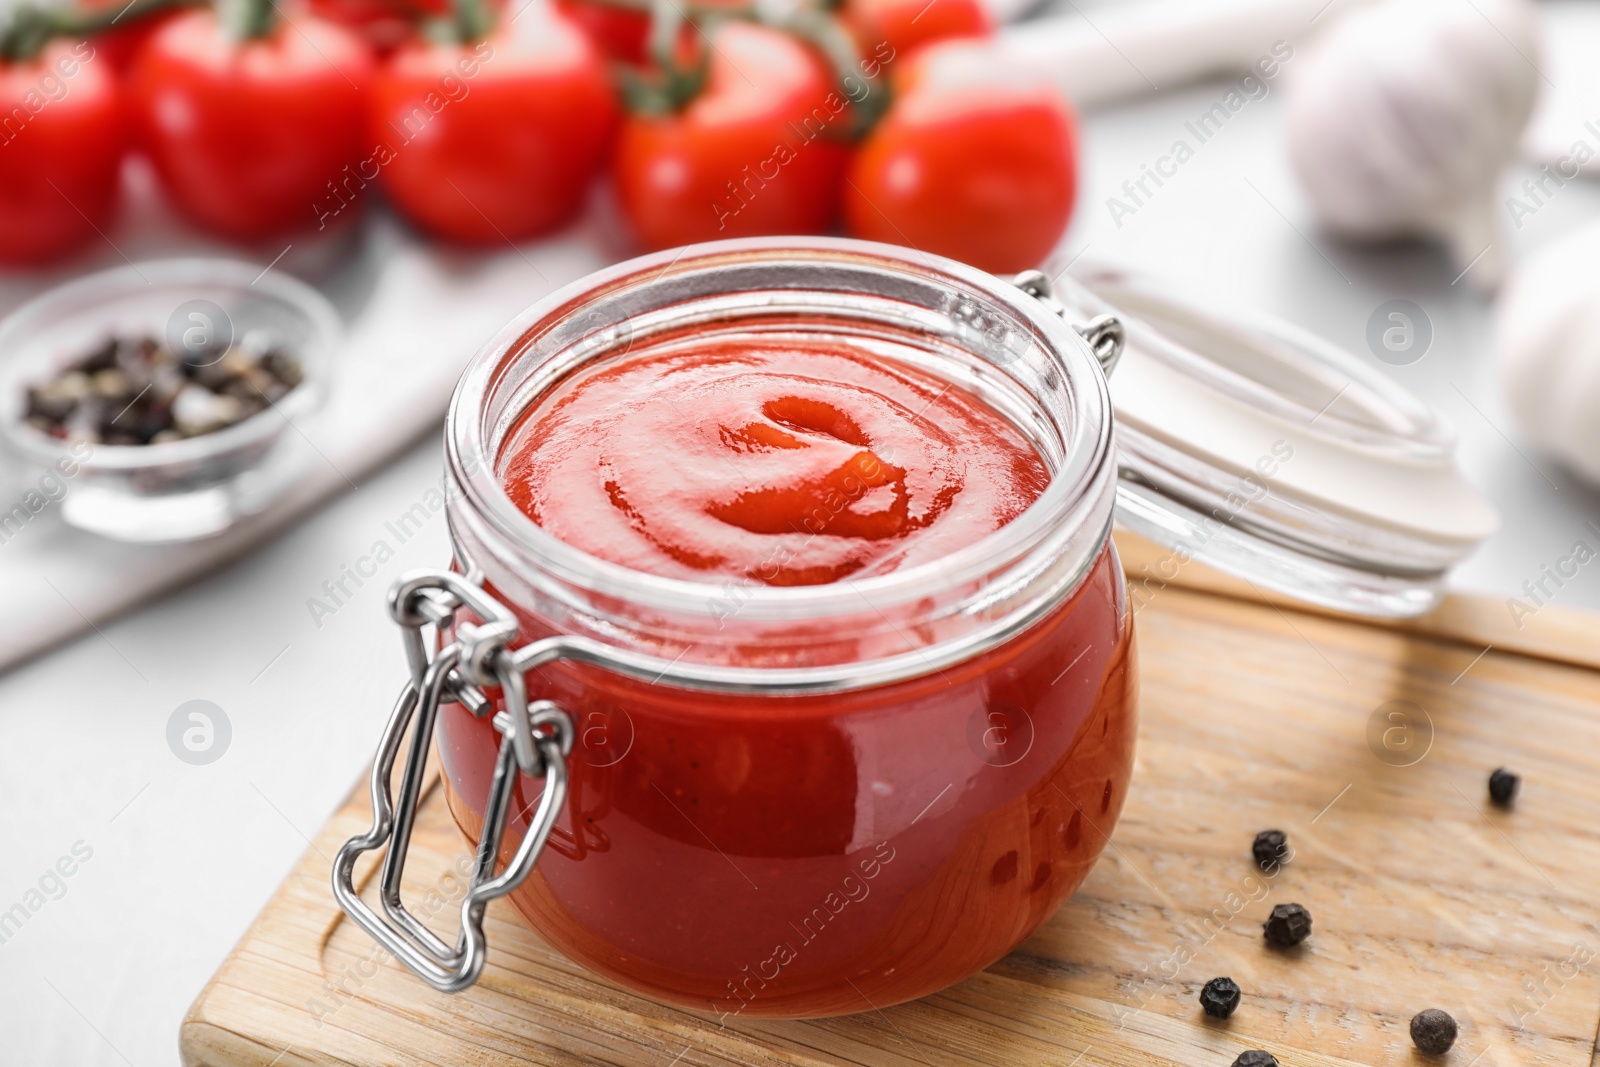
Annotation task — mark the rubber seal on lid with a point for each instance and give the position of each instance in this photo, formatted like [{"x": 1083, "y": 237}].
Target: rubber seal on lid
[{"x": 1270, "y": 454}]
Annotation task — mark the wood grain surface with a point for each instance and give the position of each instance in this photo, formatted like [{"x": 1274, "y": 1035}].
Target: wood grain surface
[{"x": 1254, "y": 715}]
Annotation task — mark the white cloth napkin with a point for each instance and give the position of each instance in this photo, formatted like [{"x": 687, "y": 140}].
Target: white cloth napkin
[{"x": 414, "y": 315}]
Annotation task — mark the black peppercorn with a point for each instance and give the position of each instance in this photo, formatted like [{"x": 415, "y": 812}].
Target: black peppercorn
[
  {"x": 1289, "y": 924},
  {"x": 138, "y": 392},
  {"x": 1219, "y": 997},
  {"x": 1256, "y": 1058},
  {"x": 1503, "y": 787},
  {"x": 1433, "y": 1031},
  {"x": 1271, "y": 847}
]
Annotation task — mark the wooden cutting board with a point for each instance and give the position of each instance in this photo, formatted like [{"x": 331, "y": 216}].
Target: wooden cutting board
[{"x": 1255, "y": 715}]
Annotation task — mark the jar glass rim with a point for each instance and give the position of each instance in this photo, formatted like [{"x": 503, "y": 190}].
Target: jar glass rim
[{"x": 1075, "y": 496}]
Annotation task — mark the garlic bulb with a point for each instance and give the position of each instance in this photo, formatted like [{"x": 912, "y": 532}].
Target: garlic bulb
[
  {"x": 1549, "y": 349},
  {"x": 1402, "y": 117}
]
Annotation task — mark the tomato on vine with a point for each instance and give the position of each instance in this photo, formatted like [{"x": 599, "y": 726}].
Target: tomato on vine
[
  {"x": 121, "y": 30},
  {"x": 754, "y": 142},
  {"x": 496, "y": 135},
  {"x": 61, "y": 146},
  {"x": 385, "y": 24},
  {"x": 621, "y": 32},
  {"x": 976, "y": 167},
  {"x": 621, "y": 28},
  {"x": 251, "y": 121},
  {"x": 907, "y": 25}
]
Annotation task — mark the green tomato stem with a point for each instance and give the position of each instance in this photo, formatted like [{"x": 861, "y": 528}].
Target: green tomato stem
[
  {"x": 247, "y": 20},
  {"x": 25, "y": 36},
  {"x": 814, "y": 23},
  {"x": 472, "y": 20},
  {"x": 31, "y": 28},
  {"x": 868, "y": 95}
]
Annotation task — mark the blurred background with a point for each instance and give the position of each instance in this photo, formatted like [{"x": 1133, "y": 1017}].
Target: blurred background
[{"x": 1341, "y": 163}]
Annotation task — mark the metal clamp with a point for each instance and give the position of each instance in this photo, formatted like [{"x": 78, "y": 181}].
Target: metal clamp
[
  {"x": 538, "y": 738},
  {"x": 1103, "y": 332}
]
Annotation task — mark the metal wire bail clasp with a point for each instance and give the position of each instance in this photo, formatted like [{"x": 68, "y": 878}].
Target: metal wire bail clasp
[
  {"x": 1103, "y": 332},
  {"x": 537, "y": 741}
]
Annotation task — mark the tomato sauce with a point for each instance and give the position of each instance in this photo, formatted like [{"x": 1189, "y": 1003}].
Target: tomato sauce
[
  {"x": 701, "y": 462},
  {"x": 804, "y": 855}
]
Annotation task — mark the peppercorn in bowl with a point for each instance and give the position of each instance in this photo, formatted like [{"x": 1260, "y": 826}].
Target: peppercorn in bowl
[{"x": 162, "y": 401}]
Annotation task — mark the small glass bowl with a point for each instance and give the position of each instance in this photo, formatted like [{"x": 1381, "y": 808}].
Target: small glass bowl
[{"x": 179, "y": 490}]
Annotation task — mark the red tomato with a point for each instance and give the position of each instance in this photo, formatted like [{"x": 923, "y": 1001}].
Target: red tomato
[
  {"x": 761, "y": 150},
  {"x": 250, "y": 138},
  {"x": 384, "y": 24},
  {"x": 61, "y": 144},
  {"x": 906, "y": 25},
  {"x": 493, "y": 141},
  {"x": 981, "y": 171},
  {"x": 388, "y": 24},
  {"x": 623, "y": 33},
  {"x": 620, "y": 33},
  {"x": 119, "y": 45}
]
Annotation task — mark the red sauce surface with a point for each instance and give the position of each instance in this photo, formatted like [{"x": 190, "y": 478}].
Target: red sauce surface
[
  {"x": 793, "y": 462},
  {"x": 819, "y": 854}
]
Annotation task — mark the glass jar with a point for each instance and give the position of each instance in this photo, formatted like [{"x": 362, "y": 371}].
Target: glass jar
[{"x": 779, "y": 801}]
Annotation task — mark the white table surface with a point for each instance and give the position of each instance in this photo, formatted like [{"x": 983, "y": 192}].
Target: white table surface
[{"x": 184, "y": 856}]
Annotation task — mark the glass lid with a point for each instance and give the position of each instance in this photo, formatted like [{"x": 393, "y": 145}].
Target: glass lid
[{"x": 1276, "y": 457}]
